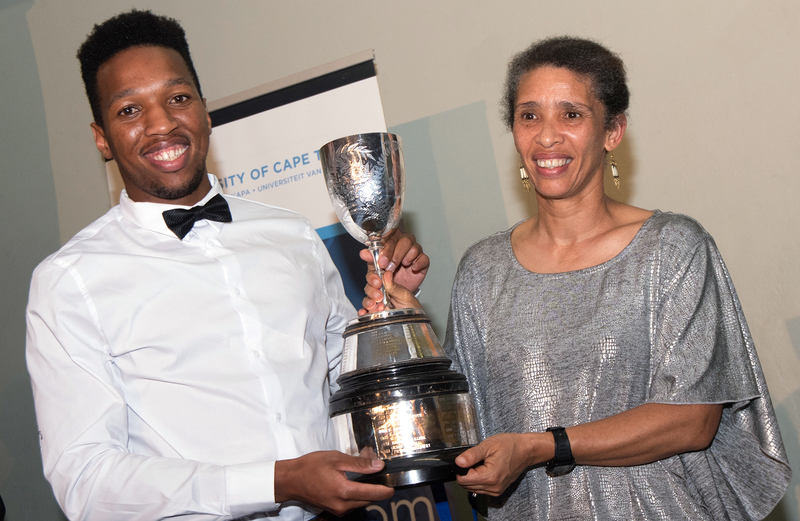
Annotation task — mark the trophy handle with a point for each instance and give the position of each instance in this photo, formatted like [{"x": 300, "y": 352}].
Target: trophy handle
[{"x": 375, "y": 244}]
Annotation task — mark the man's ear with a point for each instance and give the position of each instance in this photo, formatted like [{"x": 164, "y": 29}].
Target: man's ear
[
  {"x": 100, "y": 140},
  {"x": 208, "y": 116}
]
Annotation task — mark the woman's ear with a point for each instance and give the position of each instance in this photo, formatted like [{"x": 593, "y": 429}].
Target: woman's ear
[{"x": 615, "y": 133}]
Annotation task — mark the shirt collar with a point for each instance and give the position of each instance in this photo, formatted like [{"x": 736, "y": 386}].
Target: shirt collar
[{"x": 149, "y": 215}]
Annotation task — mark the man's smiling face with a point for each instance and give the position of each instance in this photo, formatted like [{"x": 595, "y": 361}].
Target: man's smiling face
[{"x": 155, "y": 125}]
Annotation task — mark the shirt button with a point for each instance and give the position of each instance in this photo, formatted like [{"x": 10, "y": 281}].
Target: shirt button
[
  {"x": 214, "y": 244},
  {"x": 278, "y": 417},
  {"x": 257, "y": 353}
]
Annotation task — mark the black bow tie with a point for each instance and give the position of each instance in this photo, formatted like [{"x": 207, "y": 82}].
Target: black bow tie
[{"x": 181, "y": 221}]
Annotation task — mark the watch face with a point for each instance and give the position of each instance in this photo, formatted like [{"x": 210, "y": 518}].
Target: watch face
[{"x": 559, "y": 470}]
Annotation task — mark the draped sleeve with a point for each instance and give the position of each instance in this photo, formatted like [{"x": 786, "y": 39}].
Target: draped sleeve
[{"x": 703, "y": 352}]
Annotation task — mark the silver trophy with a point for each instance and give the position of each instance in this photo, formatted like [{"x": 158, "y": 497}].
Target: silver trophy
[{"x": 397, "y": 399}]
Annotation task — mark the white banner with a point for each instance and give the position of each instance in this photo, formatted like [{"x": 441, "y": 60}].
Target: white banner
[{"x": 273, "y": 156}]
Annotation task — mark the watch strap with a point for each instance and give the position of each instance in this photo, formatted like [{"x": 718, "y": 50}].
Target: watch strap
[{"x": 563, "y": 462}]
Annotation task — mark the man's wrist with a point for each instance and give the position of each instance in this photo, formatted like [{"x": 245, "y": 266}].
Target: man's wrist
[{"x": 250, "y": 488}]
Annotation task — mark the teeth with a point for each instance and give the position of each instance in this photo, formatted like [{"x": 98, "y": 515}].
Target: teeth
[
  {"x": 551, "y": 163},
  {"x": 170, "y": 154}
]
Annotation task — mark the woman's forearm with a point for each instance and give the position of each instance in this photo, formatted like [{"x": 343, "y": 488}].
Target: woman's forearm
[{"x": 645, "y": 434}]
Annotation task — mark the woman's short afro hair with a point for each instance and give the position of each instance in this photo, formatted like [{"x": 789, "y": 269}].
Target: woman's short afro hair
[{"x": 586, "y": 58}]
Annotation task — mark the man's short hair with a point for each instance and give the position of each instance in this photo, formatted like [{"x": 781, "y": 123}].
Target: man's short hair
[{"x": 126, "y": 30}]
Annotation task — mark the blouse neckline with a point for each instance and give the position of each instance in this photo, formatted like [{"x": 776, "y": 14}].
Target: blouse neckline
[{"x": 591, "y": 269}]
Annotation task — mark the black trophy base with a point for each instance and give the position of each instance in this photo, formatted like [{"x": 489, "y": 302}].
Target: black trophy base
[{"x": 415, "y": 470}]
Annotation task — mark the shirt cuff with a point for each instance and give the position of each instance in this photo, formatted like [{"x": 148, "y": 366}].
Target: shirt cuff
[{"x": 251, "y": 488}]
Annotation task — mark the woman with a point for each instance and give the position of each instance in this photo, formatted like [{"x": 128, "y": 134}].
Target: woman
[{"x": 615, "y": 327}]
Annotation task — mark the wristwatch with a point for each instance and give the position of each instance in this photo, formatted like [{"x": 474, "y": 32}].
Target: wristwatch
[{"x": 563, "y": 462}]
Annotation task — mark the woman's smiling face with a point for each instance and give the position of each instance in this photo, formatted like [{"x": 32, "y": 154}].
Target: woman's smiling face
[{"x": 559, "y": 131}]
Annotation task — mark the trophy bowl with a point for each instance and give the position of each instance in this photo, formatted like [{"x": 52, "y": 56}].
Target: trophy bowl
[{"x": 365, "y": 177}]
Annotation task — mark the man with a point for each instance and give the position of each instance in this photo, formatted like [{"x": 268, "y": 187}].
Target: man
[{"x": 182, "y": 361}]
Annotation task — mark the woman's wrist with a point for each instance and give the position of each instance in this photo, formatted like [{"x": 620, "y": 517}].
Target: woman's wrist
[{"x": 540, "y": 448}]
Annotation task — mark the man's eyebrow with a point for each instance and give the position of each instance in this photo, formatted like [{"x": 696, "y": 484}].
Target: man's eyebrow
[
  {"x": 179, "y": 81},
  {"x": 130, "y": 92},
  {"x": 121, "y": 94}
]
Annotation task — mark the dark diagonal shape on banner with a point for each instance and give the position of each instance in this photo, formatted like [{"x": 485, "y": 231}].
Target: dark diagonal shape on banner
[{"x": 292, "y": 93}]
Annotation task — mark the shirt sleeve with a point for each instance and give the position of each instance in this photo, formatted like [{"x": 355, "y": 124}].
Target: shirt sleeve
[
  {"x": 82, "y": 417},
  {"x": 340, "y": 311}
]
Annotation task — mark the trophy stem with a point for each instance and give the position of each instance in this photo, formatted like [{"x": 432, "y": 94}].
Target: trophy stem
[{"x": 375, "y": 249}]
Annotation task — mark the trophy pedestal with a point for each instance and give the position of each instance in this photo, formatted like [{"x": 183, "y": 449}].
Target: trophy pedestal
[
  {"x": 414, "y": 413},
  {"x": 416, "y": 470}
]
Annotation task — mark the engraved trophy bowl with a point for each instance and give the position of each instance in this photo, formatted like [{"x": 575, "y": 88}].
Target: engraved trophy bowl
[
  {"x": 397, "y": 399},
  {"x": 365, "y": 177}
]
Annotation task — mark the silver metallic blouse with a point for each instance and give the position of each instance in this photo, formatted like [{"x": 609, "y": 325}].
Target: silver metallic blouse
[{"x": 658, "y": 323}]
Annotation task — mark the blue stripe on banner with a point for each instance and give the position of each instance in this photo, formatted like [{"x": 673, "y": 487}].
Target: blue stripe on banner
[
  {"x": 442, "y": 505},
  {"x": 344, "y": 253},
  {"x": 326, "y": 232},
  {"x": 443, "y": 509}
]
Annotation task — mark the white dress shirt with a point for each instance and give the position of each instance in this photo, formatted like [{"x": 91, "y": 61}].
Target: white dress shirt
[{"x": 170, "y": 375}]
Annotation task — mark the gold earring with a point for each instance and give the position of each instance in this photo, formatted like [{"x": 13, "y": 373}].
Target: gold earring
[
  {"x": 614, "y": 171},
  {"x": 526, "y": 181}
]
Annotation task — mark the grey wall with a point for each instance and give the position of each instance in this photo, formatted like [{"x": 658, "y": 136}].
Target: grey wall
[
  {"x": 713, "y": 133},
  {"x": 453, "y": 184},
  {"x": 29, "y": 224}
]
